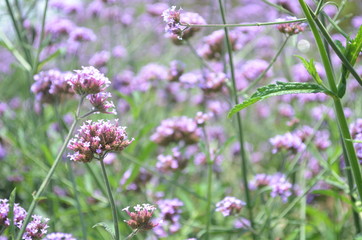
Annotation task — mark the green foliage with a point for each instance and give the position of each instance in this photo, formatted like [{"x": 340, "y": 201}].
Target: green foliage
[
  {"x": 106, "y": 227},
  {"x": 280, "y": 88},
  {"x": 311, "y": 69}
]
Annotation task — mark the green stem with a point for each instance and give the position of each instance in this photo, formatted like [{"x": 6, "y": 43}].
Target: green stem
[
  {"x": 356, "y": 218},
  {"x": 244, "y": 24},
  {"x": 36, "y": 60},
  {"x": 111, "y": 200},
  {"x": 244, "y": 169},
  {"x": 132, "y": 234},
  {"x": 342, "y": 122},
  {"x": 18, "y": 32},
  {"x": 209, "y": 183},
  {"x": 49, "y": 175},
  {"x": 78, "y": 206}
]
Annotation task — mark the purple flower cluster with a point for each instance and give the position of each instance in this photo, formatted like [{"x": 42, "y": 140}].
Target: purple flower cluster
[
  {"x": 141, "y": 217},
  {"x": 172, "y": 18},
  {"x": 36, "y": 229},
  {"x": 288, "y": 141},
  {"x": 170, "y": 217},
  {"x": 213, "y": 44},
  {"x": 171, "y": 163},
  {"x": 97, "y": 139},
  {"x": 229, "y": 206},
  {"x": 277, "y": 182},
  {"x": 51, "y": 86},
  {"x": 19, "y": 214},
  {"x": 212, "y": 82},
  {"x": 290, "y": 28},
  {"x": 100, "y": 103},
  {"x": 140, "y": 181},
  {"x": 175, "y": 71},
  {"x": 59, "y": 236},
  {"x": 88, "y": 81},
  {"x": 177, "y": 129}
]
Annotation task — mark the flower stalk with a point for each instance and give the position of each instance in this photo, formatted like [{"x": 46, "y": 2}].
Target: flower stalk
[
  {"x": 50, "y": 174},
  {"x": 239, "y": 123}
]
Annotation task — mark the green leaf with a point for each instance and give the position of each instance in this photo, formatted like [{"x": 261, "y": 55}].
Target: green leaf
[
  {"x": 353, "y": 48},
  {"x": 107, "y": 228},
  {"x": 11, "y": 213},
  {"x": 49, "y": 58},
  {"x": 280, "y": 88},
  {"x": 311, "y": 69}
]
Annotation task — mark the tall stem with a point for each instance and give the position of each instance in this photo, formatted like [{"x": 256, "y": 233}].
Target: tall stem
[
  {"x": 50, "y": 174},
  {"x": 342, "y": 122},
  {"x": 239, "y": 123},
  {"x": 111, "y": 200},
  {"x": 209, "y": 183}
]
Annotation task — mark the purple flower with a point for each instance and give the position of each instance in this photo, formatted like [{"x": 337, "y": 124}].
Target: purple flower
[
  {"x": 100, "y": 59},
  {"x": 141, "y": 217},
  {"x": 82, "y": 34},
  {"x": 119, "y": 52},
  {"x": 156, "y": 9},
  {"x": 280, "y": 187},
  {"x": 59, "y": 236},
  {"x": 177, "y": 129},
  {"x": 176, "y": 70},
  {"x": 100, "y": 103},
  {"x": 19, "y": 214},
  {"x": 97, "y": 138},
  {"x": 59, "y": 27},
  {"x": 287, "y": 141},
  {"x": 51, "y": 86},
  {"x": 172, "y": 18},
  {"x": 138, "y": 183},
  {"x": 36, "y": 229},
  {"x": 242, "y": 223},
  {"x": 212, "y": 82},
  {"x": 171, "y": 163},
  {"x": 169, "y": 217},
  {"x": 88, "y": 81},
  {"x": 290, "y": 28},
  {"x": 229, "y": 206}
]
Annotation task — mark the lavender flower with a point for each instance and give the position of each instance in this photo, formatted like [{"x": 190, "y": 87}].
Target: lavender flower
[
  {"x": 51, "y": 86},
  {"x": 212, "y": 82},
  {"x": 19, "y": 214},
  {"x": 242, "y": 223},
  {"x": 97, "y": 139},
  {"x": 88, "y": 81},
  {"x": 172, "y": 18},
  {"x": 201, "y": 118},
  {"x": 287, "y": 141},
  {"x": 177, "y": 129},
  {"x": 170, "y": 217},
  {"x": 82, "y": 34},
  {"x": 36, "y": 229},
  {"x": 141, "y": 217},
  {"x": 100, "y": 103},
  {"x": 100, "y": 59},
  {"x": 280, "y": 187},
  {"x": 171, "y": 163},
  {"x": 59, "y": 236},
  {"x": 229, "y": 206},
  {"x": 176, "y": 70},
  {"x": 290, "y": 28}
]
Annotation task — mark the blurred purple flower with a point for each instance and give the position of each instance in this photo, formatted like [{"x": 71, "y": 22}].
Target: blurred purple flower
[
  {"x": 59, "y": 236},
  {"x": 141, "y": 217},
  {"x": 229, "y": 206}
]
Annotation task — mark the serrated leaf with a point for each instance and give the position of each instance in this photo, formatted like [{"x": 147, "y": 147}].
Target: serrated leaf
[
  {"x": 280, "y": 88},
  {"x": 107, "y": 228},
  {"x": 310, "y": 67},
  {"x": 353, "y": 48}
]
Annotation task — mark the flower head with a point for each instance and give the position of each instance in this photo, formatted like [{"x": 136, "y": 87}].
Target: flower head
[
  {"x": 290, "y": 28},
  {"x": 141, "y": 217},
  {"x": 36, "y": 229},
  {"x": 59, "y": 236},
  {"x": 19, "y": 214},
  {"x": 100, "y": 103},
  {"x": 229, "y": 206},
  {"x": 88, "y": 81},
  {"x": 97, "y": 139}
]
